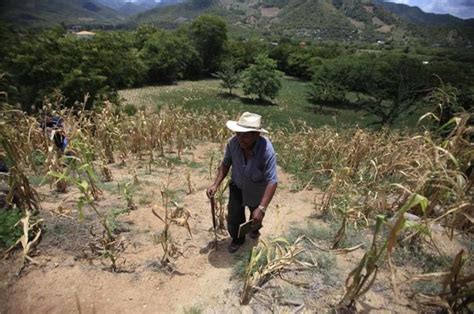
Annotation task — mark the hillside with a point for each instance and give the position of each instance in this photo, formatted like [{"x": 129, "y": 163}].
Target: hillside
[
  {"x": 128, "y": 8},
  {"x": 348, "y": 20},
  {"x": 417, "y": 16},
  {"x": 321, "y": 19},
  {"x": 341, "y": 20},
  {"x": 53, "y": 12}
]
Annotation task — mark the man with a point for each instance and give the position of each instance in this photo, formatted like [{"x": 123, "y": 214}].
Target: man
[
  {"x": 254, "y": 175},
  {"x": 54, "y": 127}
]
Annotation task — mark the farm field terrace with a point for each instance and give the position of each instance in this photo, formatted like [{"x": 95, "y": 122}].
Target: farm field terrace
[{"x": 124, "y": 224}]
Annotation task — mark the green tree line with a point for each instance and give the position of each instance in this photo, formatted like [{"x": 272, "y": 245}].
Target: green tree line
[{"x": 385, "y": 81}]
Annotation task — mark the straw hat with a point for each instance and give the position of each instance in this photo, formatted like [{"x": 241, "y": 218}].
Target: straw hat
[{"x": 248, "y": 122}]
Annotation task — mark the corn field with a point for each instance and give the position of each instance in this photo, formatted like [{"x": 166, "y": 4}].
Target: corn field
[{"x": 371, "y": 180}]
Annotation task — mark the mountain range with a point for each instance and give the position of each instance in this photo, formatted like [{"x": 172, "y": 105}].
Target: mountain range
[
  {"x": 365, "y": 20},
  {"x": 50, "y": 12},
  {"x": 128, "y": 8},
  {"x": 348, "y": 20},
  {"x": 416, "y": 15}
]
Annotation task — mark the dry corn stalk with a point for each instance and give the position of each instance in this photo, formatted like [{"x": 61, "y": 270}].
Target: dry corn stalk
[
  {"x": 189, "y": 182},
  {"x": 26, "y": 244},
  {"x": 267, "y": 260},
  {"x": 362, "y": 277},
  {"x": 458, "y": 287},
  {"x": 180, "y": 216}
]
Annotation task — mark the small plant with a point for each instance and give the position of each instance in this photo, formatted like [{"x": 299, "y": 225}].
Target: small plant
[
  {"x": 107, "y": 246},
  {"x": 311, "y": 231},
  {"x": 326, "y": 267},
  {"x": 193, "y": 310},
  {"x": 229, "y": 75},
  {"x": 112, "y": 216},
  {"x": 267, "y": 260},
  {"x": 9, "y": 229},
  {"x": 128, "y": 194},
  {"x": 29, "y": 238},
  {"x": 362, "y": 277},
  {"x": 179, "y": 216},
  {"x": 414, "y": 254},
  {"x": 130, "y": 109}
]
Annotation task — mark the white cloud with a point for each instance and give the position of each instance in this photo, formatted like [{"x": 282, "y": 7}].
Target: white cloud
[{"x": 460, "y": 8}]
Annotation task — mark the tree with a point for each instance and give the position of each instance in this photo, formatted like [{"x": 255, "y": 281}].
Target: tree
[
  {"x": 394, "y": 87},
  {"x": 168, "y": 57},
  {"x": 243, "y": 52},
  {"x": 229, "y": 75},
  {"x": 262, "y": 78},
  {"x": 114, "y": 54},
  {"x": 54, "y": 60},
  {"x": 302, "y": 63},
  {"x": 209, "y": 34},
  {"x": 386, "y": 86},
  {"x": 327, "y": 92}
]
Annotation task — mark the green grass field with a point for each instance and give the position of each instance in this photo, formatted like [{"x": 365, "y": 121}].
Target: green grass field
[{"x": 290, "y": 105}]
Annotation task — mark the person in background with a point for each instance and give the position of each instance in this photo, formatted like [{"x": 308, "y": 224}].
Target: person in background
[
  {"x": 54, "y": 126},
  {"x": 254, "y": 175}
]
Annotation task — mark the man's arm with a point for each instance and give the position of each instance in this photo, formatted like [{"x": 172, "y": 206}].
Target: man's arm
[
  {"x": 221, "y": 174},
  {"x": 270, "y": 189}
]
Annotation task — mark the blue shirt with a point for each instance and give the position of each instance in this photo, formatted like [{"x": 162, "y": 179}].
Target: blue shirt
[{"x": 251, "y": 176}]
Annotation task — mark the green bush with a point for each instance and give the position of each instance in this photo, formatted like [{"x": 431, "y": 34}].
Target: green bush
[
  {"x": 262, "y": 78},
  {"x": 38, "y": 158},
  {"x": 9, "y": 233},
  {"x": 130, "y": 109},
  {"x": 169, "y": 57}
]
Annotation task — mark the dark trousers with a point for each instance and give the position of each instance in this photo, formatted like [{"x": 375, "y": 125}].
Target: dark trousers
[{"x": 236, "y": 213}]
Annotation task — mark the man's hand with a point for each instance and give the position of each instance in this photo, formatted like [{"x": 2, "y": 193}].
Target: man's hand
[
  {"x": 211, "y": 191},
  {"x": 257, "y": 216}
]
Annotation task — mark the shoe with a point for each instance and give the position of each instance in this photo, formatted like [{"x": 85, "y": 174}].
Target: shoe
[
  {"x": 254, "y": 234},
  {"x": 233, "y": 247}
]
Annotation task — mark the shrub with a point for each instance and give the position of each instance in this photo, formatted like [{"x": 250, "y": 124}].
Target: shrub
[
  {"x": 9, "y": 233},
  {"x": 262, "y": 78},
  {"x": 130, "y": 109}
]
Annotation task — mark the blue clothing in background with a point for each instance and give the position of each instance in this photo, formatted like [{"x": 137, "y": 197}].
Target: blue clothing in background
[
  {"x": 252, "y": 176},
  {"x": 60, "y": 139}
]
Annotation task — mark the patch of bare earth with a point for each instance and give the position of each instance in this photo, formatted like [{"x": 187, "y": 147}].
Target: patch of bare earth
[
  {"x": 369, "y": 8},
  {"x": 357, "y": 24},
  {"x": 269, "y": 11},
  {"x": 377, "y": 22},
  {"x": 69, "y": 281}
]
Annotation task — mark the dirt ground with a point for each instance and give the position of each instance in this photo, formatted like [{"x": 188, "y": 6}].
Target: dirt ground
[{"x": 68, "y": 280}]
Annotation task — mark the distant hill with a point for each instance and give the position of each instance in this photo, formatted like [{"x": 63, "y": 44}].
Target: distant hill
[
  {"x": 366, "y": 20},
  {"x": 51, "y": 12},
  {"x": 311, "y": 18},
  {"x": 340, "y": 20},
  {"x": 128, "y": 8},
  {"x": 417, "y": 16}
]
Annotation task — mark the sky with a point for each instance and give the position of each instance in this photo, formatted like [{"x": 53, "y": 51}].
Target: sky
[{"x": 460, "y": 8}]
